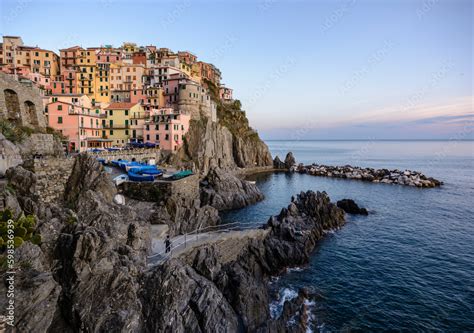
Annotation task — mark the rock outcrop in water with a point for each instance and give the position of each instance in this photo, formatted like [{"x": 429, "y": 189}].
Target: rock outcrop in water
[
  {"x": 287, "y": 164},
  {"x": 350, "y": 207}
]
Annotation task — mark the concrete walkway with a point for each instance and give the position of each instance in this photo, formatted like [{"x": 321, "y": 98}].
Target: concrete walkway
[{"x": 181, "y": 244}]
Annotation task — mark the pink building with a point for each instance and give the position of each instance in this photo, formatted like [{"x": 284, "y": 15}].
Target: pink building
[
  {"x": 64, "y": 83},
  {"x": 109, "y": 55},
  {"x": 166, "y": 128},
  {"x": 81, "y": 125},
  {"x": 137, "y": 96},
  {"x": 225, "y": 93}
]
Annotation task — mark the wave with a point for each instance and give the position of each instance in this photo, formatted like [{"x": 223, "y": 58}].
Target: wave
[{"x": 285, "y": 294}]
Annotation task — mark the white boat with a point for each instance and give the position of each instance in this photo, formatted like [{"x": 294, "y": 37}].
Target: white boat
[{"x": 120, "y": 179}]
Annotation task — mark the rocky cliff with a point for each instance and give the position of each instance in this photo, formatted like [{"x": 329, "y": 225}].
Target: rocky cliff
[
  {"x": 208, "y": 292},
  {"x": 216, "y": 150},
  {"x": 90, "y": 272}
]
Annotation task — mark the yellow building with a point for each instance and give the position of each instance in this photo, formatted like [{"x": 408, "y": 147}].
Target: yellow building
[
  {"x": 85, "y": 80},
  {"x": 185, "y": 68},
  {"x": 118, "y": 125},
  {"x": 154, "y": 98},
  {"x": 15, "y": 55}
]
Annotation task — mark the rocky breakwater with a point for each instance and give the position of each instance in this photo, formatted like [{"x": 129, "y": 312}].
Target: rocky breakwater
[
  {"x": 205, "y": 291},
  {"x": 384, "y": 176}
]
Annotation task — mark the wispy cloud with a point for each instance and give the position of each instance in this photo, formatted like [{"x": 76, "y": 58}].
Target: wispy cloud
[{"x": 427, "y": 120}]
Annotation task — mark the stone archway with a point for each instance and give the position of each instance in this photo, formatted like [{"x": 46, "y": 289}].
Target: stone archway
[
  {"x": 30, "y": 111},
  {"x": 12, "y": 104}
]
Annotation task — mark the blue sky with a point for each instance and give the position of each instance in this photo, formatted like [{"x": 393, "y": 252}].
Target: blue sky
[{"x": 347, "y": 69}]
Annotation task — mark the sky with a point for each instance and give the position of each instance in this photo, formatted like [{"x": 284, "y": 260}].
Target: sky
[{"x": 303, "y": 70}]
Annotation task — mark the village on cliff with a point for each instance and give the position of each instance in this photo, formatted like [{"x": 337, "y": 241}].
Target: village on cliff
[{"x": 111, "y": 97}]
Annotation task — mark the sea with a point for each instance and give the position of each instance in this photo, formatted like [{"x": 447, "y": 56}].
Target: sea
[{"x": 409, "y": 265}]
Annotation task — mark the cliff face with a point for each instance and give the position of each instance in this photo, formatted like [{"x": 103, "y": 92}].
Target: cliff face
[
  {"x": 227, "y": 144},
  {"x": 216, "y": 150}
]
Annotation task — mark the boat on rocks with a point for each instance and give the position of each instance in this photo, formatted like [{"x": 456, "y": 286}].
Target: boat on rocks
[{"x": 181, "y": 174}]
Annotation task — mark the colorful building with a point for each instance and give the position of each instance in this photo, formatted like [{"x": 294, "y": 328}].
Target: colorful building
[
  {"x": 117, "y": 125},
  {"x": 225, "y": 94},
  {"x": 166, "y": 128},
  {"x": 34, "y": 63},
  {"x": 81, "y": 125}
]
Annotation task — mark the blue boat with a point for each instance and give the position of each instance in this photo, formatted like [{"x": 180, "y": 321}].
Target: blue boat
[
  {"x": 101, "y": 160},
  {"x": 140, "y": 178},
  {"x": 146, "y": 170},
  {"x": 126, "y": 164},
  {"x": 117, "y": 162}
]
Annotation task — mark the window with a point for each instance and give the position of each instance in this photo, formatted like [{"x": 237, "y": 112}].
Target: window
[
  {"x": 148, "y": 137},
  {"x": 111, "y": 112},
  {"x": 60, "y": 120},
  {"x": 60, "y": 107},
  {"x": 156, "y": 127},
  {"x": 126, "y": 132},
  {"x": 126, "y": 112},
  {"x": 111, "y": 132},
  {"x": 126, "y": 122},
  {"x": 157, "y": 137},
  {"x": 167, "y": 137}
]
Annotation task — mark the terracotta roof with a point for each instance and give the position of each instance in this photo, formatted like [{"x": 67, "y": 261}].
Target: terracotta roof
[
  {"x": 71, "y": 48},
  {"x": 120, "y": 105}
]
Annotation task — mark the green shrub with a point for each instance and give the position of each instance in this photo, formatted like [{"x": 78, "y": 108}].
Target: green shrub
[
  {"x": 20, "y": 231},
  {"x": 13, "y": 132},
  {"x": 24, "y": 229},
  {"x": 18, "y": 241},
  {"x": 36, "y": 239}
]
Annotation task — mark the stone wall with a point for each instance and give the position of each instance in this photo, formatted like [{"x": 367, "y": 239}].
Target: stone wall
[
  {"x": 137, "y": 154},
  {"x": 52, "y": 175},
  {"x": 44, "y": 144},
  {"x": 20, "y": 102},
  {"x": 161, "y": 190}
]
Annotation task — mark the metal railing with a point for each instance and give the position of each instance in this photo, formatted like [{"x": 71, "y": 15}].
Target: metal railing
[{"x": 193, "y": 236}]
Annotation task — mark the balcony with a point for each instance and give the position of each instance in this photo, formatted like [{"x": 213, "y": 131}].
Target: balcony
[
  {"x": 86, "y": 113},
  {"x": 122, "y": 126},
  {"x": 142, "y": 116}
]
